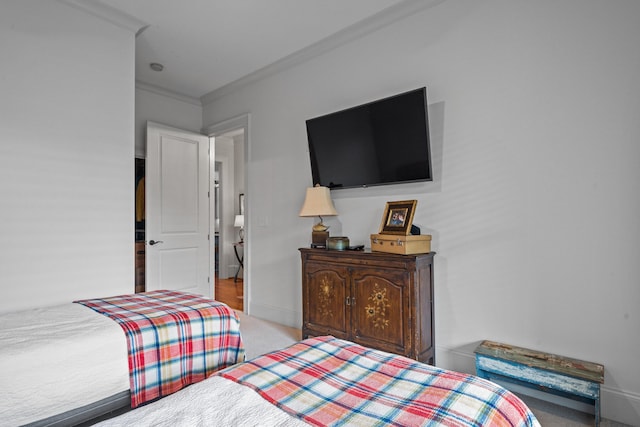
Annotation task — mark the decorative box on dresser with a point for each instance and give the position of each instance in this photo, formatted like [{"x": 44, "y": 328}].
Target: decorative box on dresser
[{"x": 380, "y": 300}]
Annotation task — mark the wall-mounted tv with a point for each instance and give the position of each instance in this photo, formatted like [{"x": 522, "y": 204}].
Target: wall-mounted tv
[{"x": 381, "y": 142}]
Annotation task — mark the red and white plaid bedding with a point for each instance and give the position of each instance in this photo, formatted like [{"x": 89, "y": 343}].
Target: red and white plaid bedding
[
  {"x": 326, "y": 381},
  {"x": 174, "y": 339}
]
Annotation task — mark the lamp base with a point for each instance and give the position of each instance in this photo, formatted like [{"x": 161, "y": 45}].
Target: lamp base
[{"x": 319, "y": 239}]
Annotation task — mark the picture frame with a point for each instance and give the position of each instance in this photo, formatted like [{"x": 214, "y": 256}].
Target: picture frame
[
  {"x": 241, "y": 203},
  {"x": 398, "y": 217}
]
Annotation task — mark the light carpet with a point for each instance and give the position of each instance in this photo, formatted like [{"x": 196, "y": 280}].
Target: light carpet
[{"x": 261, "y": 336}]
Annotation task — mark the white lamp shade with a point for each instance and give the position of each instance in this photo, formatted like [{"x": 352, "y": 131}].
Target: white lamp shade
[
  {"x": 239, "y": 221},
  {"x": 318, "y": 203}
]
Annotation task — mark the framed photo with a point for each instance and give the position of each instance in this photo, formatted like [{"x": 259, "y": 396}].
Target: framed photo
[{"x": 398, "y": 217}]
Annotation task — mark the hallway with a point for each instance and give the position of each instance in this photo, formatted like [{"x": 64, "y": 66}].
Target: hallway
[{"x": 230, "y": 293}]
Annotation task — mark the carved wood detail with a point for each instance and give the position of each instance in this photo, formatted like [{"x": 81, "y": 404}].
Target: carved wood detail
[
  {"x": 326, "y": 296},
  {"x": 377, "y": 308}
]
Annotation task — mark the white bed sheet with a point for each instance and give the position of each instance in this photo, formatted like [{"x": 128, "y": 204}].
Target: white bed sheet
[
  {"x": 58, "y": 358},
  {"x": 215, "y": 401}
]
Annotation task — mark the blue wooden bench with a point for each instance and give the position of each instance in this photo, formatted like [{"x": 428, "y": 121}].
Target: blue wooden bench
[{"x": 563, "y": 376}]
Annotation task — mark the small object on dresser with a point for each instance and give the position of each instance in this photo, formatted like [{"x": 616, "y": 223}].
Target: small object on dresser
[
  {"x": 319, "y": 239},
  {"x": 398, "y": 217},
  {"x": 318, "y": 203},
  {"x": 404, "y": 245},
  {"x": 337, "y": 243}
]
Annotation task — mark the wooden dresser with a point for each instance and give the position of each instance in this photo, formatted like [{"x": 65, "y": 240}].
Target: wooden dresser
[{"x": 380, "y": 300}]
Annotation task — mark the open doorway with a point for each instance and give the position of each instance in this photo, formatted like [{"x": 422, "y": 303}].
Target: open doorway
[
  {"x": 139, "y": 275},
  {"x": 229, "y": 141},
  {"x": 229, "y": 242}
]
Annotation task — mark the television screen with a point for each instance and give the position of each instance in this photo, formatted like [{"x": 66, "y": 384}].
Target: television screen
[{"x": 382, "y": 142}]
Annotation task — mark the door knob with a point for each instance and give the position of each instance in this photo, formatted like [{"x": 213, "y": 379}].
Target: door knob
[{"x": 154, "y": 242}]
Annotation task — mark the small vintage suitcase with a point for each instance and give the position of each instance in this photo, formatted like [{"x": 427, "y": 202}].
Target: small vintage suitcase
[{"x": 403, "y": 245}]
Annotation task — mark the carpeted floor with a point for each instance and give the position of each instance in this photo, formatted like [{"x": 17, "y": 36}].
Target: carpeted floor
[
  {"x": 261, "y": 336},
  {"x": 551, "y": 415}
]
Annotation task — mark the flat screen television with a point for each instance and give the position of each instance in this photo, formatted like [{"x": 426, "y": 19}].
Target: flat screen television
[{"x": 381, "y": 142}]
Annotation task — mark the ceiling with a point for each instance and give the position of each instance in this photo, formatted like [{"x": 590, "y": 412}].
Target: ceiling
[{"x": 205, "y": 45}]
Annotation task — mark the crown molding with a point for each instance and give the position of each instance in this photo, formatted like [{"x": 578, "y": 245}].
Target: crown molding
[
  {"x": 354, "y": 32},
  {"x": 165, "y": 92},
  {"x": 108, "y": 13}
]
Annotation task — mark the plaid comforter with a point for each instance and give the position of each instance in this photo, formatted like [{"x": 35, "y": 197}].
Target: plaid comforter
[
  {"x": 327, "y": 382},
  {"x": 174, "y": 339}
]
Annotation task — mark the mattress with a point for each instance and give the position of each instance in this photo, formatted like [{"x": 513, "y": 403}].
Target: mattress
[
  {"x": 216, "y": 398},
  {"x": 47, "y": 357}
]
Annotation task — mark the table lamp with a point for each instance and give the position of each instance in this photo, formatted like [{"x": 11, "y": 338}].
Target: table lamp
[
  {"x": 239, "y": 223},
  {"x": 318, "y": 203}
]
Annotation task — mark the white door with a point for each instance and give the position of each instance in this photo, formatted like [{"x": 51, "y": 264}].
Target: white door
[{"x": 177, "y": 210}]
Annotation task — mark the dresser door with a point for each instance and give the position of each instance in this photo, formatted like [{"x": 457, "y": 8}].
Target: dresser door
[
  {"x": 380, "y": 311},
  {"x": 325, "y": 296}
]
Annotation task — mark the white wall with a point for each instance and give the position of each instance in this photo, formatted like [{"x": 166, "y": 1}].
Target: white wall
[
  {"x": 238, "y": 169},
  {"x": 66, "y": 155},
  {"x": 156, "y": 105},
  {"x": 534, "y": 212}
]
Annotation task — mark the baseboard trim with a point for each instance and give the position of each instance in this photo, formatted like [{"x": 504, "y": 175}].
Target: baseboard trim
[{"x": 616, "y": 404}]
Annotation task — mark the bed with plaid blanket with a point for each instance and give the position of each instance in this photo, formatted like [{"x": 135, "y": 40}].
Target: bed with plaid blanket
[
  {"x": 174, "y": 339},
  {"x": 330, "y": 382},
  {"x": 326, "y": 381}
]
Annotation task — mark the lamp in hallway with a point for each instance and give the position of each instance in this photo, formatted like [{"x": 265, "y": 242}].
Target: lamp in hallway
[
  {"x": 239, "y": 223},
  {"x": 318, "y": 203}
]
